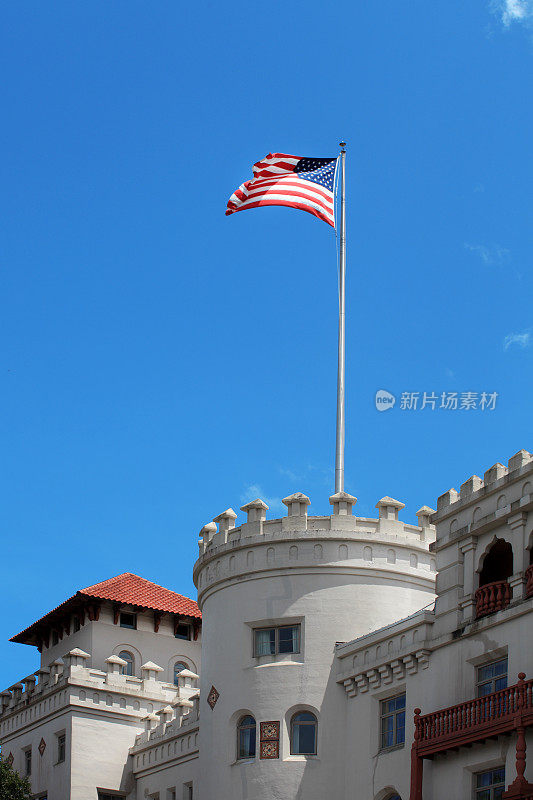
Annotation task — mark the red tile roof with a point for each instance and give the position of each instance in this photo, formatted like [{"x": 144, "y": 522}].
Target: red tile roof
[
  {"x": 134, "y": 590},
  {"x": 127, "y": 589}
]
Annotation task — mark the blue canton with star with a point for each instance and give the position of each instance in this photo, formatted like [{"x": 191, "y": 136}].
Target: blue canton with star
[{"x": 317, "y": 170}]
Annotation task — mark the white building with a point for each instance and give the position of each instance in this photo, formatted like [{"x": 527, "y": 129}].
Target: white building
[{"x": 321, "y": 640}]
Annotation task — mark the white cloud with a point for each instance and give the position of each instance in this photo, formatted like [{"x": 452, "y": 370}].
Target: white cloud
[
  {"x": 493, "y": 254},
  {"x": 254, "y": 491},
  {"x": 513, "y": 10},
  {"x": 522, "y": 340}
]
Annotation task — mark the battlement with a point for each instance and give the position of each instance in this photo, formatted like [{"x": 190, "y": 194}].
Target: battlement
[
  {"x": 475, "y": 488},
  {"x": 68, "y": 682},
  {"x": 223, "y": 530},
  {"x": 385, "y": 545}
]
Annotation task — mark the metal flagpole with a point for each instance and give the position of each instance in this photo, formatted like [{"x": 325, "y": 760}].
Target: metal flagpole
[{"x": 339, "y": 449}]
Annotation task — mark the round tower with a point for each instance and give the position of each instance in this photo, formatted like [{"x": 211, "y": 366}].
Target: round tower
[{"x": 276, "y": 596}]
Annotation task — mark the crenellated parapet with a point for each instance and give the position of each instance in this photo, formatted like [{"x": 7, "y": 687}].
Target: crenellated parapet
[
  {"x": 483, "y": 543},
  {"x": 502, "y": 489},
  {"x": 71, "y": 682},
  {"x": 170, "y": 736},
  {"x": 385, "y": 545}
]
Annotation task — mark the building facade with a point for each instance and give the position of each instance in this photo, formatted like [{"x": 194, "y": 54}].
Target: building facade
[{"x": 364, "y": 659}]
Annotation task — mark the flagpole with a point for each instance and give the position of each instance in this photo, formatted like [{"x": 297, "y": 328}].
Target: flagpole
[{"x": 339, "y": 448}]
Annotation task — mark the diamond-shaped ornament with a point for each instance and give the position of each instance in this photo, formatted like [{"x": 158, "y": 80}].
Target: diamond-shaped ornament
[
  {"x": 10, "y": 759},
  {"x": 42, "y": 746},
  {"x": 212, "y": 697}
]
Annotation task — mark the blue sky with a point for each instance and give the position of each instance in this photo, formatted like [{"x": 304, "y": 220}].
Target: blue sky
[{"x": 161, "y": 362}]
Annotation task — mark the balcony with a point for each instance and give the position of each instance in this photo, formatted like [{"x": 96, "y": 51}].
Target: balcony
[
  {"x": 504, "y": 712},
  {"x": 529, "y": 581},
  {"x": 492, "y": 597}
]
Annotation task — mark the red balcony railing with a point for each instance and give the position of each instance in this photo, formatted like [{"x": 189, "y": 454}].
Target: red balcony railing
[
  {"x": 476, "y": 720},
  {"x": 492, "y": 597},
  {"x": 470, "y": 721},
  {"x": 529, "y": 581}
]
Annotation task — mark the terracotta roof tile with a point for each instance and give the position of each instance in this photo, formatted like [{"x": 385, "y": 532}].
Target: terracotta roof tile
[
  {"x": 137, "y": 591},
  {"x": 128, "y": 589}
]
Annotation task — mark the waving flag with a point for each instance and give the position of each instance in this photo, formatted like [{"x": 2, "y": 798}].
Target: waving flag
[{"x": 283, "y": 180}]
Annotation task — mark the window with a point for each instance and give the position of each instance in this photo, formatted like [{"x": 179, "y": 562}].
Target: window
[
  {"x": 303, "y": 734},
  {"x": 393, "y": 721},
  {"x": 106, "y": 796},
  {"x": 270, "y": 641},
  {"x": 246, "y": 737},
  {"x": 187, "y": 791},
  {"x": 491, "y": 677},
  {"x": 27, "y": 762},
  {"x": 61, "y": 747},
  {"x": 76, "y": 624},
  {"x": 55, "y": 638},
  {"x": 489, "y": 785},
  {"x": 128, "y": 621},
  {"x": 179, "y": 666},
  {"x": 127, "y": 668},
  {"x": 182, "y": 631}
]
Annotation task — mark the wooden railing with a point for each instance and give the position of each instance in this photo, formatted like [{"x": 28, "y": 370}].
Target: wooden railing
[
  {"x": 492, "y": 597},
  {"x": 473, "y": 720},
  {"x": 529, "y": 581},
  {"x": 509, "y": 710}
]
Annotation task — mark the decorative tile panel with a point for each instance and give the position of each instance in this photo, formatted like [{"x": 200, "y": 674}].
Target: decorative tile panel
[
  {"x": 42, "y": 747},
  {"x": 269, "y": 739},
  {"x": 269, "y": 731},
  {"x": 10, "y": 759},
  {"x": 212, "y": 697},
  {"x": 269, "y": 750}
]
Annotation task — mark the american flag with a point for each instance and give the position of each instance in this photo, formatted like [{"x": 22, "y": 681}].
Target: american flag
[{"x": 283, "y": 180}]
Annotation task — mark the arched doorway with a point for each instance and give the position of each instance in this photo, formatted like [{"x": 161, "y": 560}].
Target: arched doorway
[{"x": 494, "y": 592}]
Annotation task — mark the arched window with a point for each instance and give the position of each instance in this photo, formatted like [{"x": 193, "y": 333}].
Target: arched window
[
  {"x": 303, "y": 734},
  {"x": 498, "y": 563},
  {"x": 246, "y": 737},
  {"x": 179, "y": 666},
  {"x": 393, "y": 797},
  {"x": 127, "y": 668}
]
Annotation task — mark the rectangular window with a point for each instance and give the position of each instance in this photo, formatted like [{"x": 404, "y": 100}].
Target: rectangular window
[
  {"x": 270, "y": 641},
  {"x": 393, "y": 721},
  {"x": 187, "y": 791},
  {"x": 182, "y": 631},
  {"x": 128, "y": 621},
  {"x": 491, "y": 677},
  {"x": 489, "y": 785},
  {"x": 61, "y": 747},
  {"x": 76, "y": 624},
  {"x": 27, "y": 761}
]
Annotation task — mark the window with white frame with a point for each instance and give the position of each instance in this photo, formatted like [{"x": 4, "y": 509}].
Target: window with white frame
[
  {"x": 183, "y": 631},
  {"x": 392, "y": 721},
  {"x": 304, "y": 726},
  {"x": 491, "y": 677},
  {"x": 128, "y": 620},
  {"x": 489, "y": 785},
  {"x": 61, "y": 747},
  {"x": 275, "y": 640},
  {"x": 179, "y": 666},
  {"x": 27, "y": 761},
  {"x": 246, "y": 737},
  {"x": 127, "y": 668}
]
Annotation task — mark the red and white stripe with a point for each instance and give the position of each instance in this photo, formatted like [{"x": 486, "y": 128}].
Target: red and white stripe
[{"x": 276, "y": 184}]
